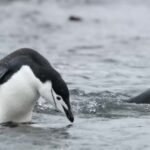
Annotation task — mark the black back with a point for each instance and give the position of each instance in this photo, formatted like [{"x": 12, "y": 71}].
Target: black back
[
  {"x": 40, "y": 66},
  {"x": 25, "y": 56},
  {"x": 142, "y": 98}
]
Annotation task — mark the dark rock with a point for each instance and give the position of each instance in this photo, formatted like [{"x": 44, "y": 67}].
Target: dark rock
[{"x": 75, "y": 18}]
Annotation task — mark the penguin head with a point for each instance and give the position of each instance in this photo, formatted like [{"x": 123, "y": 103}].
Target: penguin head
[
  {"x": 60, "y": 94},
  {"x": 56, "y": 91}
]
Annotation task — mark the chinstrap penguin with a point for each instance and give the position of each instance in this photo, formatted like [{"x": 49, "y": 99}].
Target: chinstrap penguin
[{"x": 25, "y": 75}]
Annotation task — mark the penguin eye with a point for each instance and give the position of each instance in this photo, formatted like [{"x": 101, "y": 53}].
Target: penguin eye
[{"x": 58, "y": 98}]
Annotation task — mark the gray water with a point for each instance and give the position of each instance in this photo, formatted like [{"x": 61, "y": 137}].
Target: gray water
[{"x": 105, "y": 59}]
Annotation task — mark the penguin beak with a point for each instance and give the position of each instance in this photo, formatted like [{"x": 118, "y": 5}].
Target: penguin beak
[
  {"x": 69, "y": 114},
  {"x": 61, "y": 106}
]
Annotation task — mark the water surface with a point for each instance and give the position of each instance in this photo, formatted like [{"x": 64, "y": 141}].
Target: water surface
[{"x": 103, "y": 57}]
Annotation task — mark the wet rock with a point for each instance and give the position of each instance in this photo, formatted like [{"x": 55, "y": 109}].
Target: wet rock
[
  {"x": 75, "y": 18},
  {"x": 9, "y": 124}
]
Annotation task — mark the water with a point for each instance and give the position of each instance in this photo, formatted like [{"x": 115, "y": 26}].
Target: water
[{"x": 103, "y": 57}]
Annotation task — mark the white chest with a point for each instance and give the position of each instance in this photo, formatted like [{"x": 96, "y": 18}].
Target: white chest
[{"x": 18, "y": 96}]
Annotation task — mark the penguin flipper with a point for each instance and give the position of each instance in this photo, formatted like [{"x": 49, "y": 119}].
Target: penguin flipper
[{"x": 3, "y": 71}]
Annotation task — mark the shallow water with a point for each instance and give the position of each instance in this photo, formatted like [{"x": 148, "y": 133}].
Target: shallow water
[{"x": 103, "y": 57}]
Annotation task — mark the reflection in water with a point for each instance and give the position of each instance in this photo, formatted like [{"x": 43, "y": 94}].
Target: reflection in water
[{"x": 37, "y": 135}]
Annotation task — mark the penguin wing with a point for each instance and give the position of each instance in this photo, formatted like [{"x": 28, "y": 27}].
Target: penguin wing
[
  {"x": 3, "y": 71},
  {"x": 9, "y": 66}
]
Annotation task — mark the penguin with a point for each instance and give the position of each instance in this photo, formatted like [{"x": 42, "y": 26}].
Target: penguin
[
  {"x": 25, "y": 75},
  {"x": 143, "y": 98}
]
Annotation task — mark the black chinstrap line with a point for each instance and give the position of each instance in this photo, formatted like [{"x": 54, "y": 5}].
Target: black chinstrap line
[{"x": 53, "y": 98}]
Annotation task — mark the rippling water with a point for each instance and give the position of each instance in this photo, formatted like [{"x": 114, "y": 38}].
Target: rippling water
[{"x": 104, "y": 58}]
